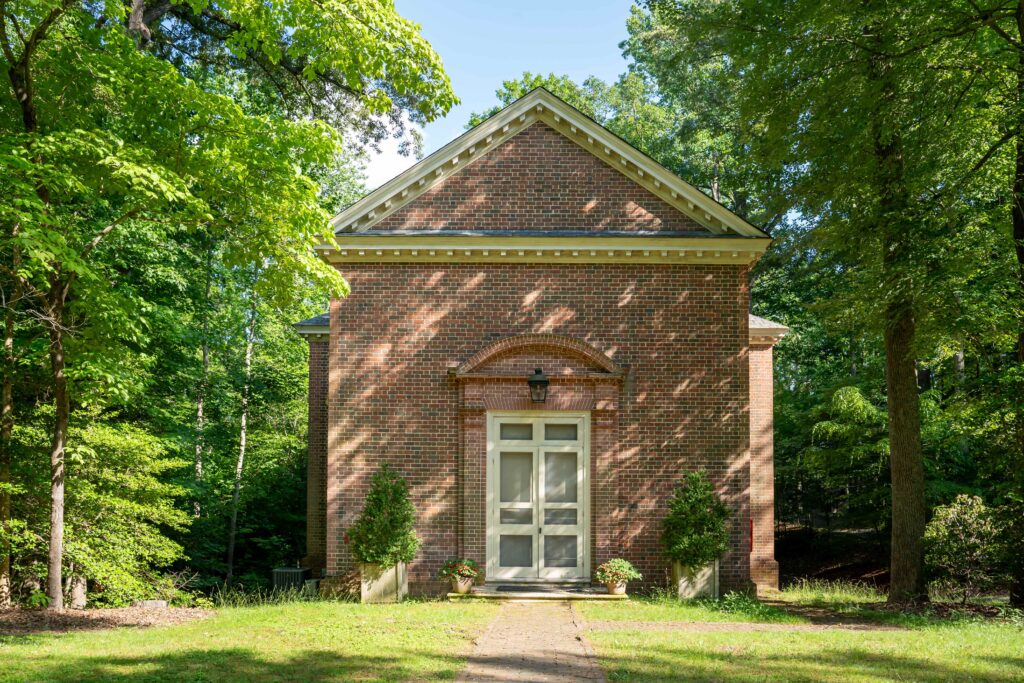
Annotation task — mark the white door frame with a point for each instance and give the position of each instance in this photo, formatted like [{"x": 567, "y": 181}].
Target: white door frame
[{"x": 538, "y": 445}]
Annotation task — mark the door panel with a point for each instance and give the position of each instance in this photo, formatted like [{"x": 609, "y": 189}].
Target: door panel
[
  {"x": 517, "y": 524},
  {"x": 537, "y": 482},
  {"x": 561, "y": 535}
]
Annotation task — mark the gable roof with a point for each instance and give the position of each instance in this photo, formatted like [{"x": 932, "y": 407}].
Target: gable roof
[{"x": 539, "y": 105}]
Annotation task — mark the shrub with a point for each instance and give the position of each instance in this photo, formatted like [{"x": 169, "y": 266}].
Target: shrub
[
  {"x": 384, "y": 532},
  {"x": 617, "y": 571},
  {"x": 694, "y": 531},
  {"x": 459, "y": 568},
  {"x": 961, "y": 547}
]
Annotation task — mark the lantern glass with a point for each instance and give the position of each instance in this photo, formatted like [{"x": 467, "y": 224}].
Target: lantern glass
[{"x": 538, "y": 386}]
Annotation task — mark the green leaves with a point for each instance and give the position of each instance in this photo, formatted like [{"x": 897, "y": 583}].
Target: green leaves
[
  {"x": 694, "y": 530},
  {"x": 384, "y": 534}
]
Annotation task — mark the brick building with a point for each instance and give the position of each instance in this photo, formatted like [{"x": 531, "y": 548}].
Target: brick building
[{"x": 540, "y": 240}]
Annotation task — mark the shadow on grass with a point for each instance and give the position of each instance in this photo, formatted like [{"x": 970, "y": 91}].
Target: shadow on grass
[
  {"x": 654, "y": 663},
  {"x": 231, "y": 665}
]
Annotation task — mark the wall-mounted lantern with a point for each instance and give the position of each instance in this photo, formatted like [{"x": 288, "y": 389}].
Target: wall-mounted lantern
[{"x": 538, "y": 386}]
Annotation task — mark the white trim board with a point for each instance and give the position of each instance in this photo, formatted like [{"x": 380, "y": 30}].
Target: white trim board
[
  {"x": 383, "y": 248},
  {"x": 541, "y": 105}
]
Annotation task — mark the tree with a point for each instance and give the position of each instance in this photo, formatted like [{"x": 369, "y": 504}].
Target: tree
[
  {"x": 145, "y": 151},
  {"x": 847, "y": 101}
]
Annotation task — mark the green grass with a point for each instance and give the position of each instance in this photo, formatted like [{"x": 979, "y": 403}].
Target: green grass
[
  {"x": 831, "y": 593},
  {"x": 316, "y": 641},
  {"x": 951, "y": 652},
  {"x": 665, "y": 607}
]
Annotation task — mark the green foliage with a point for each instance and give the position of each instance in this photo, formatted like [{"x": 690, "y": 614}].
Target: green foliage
[
  {"x": 36, "y": 600},
  {"x": 459, "y": 568},
  {"x": 694, "y": 530},
  {"x": 384, "y": 533},
  {"x": 119, "y": 513},
  {"x": 157, "y": 182},
  {"x": 962, "y": 547},
  {"x": 746, "y": 605},
  {"x": 240, "y": 596},
  {"x": 831, "y": 593},
  {"x": 617, "y": 570}
]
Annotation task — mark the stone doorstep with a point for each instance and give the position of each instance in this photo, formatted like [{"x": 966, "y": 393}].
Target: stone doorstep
[{"x": 528, "y": 593}]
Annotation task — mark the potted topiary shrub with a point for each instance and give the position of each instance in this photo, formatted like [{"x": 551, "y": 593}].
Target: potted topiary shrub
[
  {"x": 383, "y": 539},
  {"x": 695, "y": 536},
  {"x": 615, "y": 574},
  {"x": 461, "y": 572}
]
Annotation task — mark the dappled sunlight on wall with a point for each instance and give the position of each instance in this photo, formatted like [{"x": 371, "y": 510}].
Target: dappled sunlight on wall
[
  {"x": 538, "y": 180},
  {"x": 681, "y": 332}
]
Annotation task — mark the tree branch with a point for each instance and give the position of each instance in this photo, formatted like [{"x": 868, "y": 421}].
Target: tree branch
[{"x": 106, "y": 231}]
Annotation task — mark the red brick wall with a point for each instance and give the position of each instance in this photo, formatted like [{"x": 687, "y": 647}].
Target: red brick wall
[
  {"x": 681, "y": 330},
  {"x": 764, "y": 569},
  {"x": 538, "y": 180},
  {"x": 316, "y": 463}
]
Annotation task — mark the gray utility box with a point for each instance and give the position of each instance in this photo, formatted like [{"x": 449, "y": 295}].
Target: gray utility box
[{"x": 286, "y": 578}]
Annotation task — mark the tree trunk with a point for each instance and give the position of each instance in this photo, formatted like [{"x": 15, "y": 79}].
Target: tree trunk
[
  {"x": 1017, "y": 212},
  {"x": 203, "y": 386},
  {"x": 60, "y": 430},
  {"x": 6, "y": 439},
  {"x": 77, "y": 591},
  {"x": 249, "y": 336},
  {"x": 905, "y": 459}
]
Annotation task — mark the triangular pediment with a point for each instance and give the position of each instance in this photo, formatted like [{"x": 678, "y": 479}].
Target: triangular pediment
[{"x": 494, "y": 171}]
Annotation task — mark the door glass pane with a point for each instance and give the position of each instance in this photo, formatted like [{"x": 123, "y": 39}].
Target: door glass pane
[
  {"x": 516, "y": 473},
  {"x": 560, "y": 477},
  {"x": 516, "y": 551},
  {"x": 559, "y": 551},
  {"x": 557, "y": 432},
  {"x": 559, "y": 516},
  {"x": 512, "y": 431},
  {"x": 517, "y": 516}
]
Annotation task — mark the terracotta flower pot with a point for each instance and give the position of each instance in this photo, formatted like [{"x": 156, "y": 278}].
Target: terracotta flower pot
[
  {"x": 461, "y": 584},
  {"x": 616, "y": 587}
]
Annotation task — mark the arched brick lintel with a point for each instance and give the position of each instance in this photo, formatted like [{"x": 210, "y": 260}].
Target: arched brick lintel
[{"x": 522, "y": 344}]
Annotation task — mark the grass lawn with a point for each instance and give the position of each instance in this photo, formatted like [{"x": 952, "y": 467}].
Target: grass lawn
[
  {"x": 734, "y": 607},
  {"x": 955, "y": 653},
  {"x": 291, "y": 642},
  {"x": 930, "y": 649}
]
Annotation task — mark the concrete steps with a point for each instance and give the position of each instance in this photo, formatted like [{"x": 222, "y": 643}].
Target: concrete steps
[{"x": 536, "y": 592}]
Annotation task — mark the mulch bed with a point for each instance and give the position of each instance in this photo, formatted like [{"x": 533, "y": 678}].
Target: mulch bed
[{"x": 28, "y": 621}]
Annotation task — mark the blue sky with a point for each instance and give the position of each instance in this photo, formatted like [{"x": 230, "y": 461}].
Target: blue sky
[{"x": 486, "y": 42}]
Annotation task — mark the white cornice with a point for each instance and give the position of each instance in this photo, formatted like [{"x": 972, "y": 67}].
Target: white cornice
[
  {"x": 541, "y": 105},
  {"x": 382, "y": 248}
]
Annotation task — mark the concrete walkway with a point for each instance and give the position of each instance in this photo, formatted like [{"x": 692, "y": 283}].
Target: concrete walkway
[{"x": 533, "y": 641}]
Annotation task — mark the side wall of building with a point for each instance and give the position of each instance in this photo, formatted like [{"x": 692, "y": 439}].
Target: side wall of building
[
  {"x": 681, "y": 331},
  {"x": 764, "y": 570},
  {"x": 316, "y": 462}
]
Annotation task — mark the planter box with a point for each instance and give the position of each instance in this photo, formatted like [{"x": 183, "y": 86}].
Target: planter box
[
  {"x": 383, "y": 584},
  {"x": 700, "y": 583}
]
